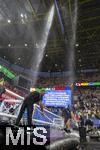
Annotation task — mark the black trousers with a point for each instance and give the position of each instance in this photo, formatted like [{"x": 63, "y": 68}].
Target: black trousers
[{"x": 29, "y": 113}]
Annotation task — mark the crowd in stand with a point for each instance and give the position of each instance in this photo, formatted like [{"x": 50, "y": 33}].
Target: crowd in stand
[
  {"x": 63, "y": 81},
  {"x": 51, "y": 82},
  {"x": 7, "y": 83},
  {"x": 89, "y": 103},
  {"x": 86, "y": 106}
]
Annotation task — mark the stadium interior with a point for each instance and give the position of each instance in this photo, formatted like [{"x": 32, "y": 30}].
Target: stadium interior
[{"x": 53, "y": 45}]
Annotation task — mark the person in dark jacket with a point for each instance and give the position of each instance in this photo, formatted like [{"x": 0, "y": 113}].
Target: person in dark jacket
[{"x": 33, "y": 98}]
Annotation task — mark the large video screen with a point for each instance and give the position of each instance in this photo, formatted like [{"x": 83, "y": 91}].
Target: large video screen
[{"x": 57, "y": 98}]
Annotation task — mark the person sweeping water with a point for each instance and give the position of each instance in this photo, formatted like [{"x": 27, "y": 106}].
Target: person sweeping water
[{"x": 33, "y": 98}]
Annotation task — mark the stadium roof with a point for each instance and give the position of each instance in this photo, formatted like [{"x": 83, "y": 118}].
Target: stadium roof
[{"x": 19, "y": 19}]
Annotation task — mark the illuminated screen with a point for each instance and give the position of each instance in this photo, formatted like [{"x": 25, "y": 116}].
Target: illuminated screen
[
  {"x": 88, "y": 84},
  {"x": 57, "y": 98}
]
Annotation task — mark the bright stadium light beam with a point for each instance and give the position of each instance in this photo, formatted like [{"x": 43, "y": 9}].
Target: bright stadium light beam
[
  {"x": 41, "y": 43},
  {"x": 71, "y": 60}
]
